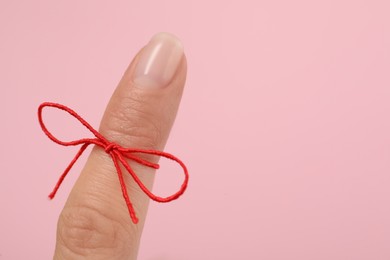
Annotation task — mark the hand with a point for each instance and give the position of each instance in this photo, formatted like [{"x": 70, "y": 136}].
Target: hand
[{"x": 95, "y": 222}]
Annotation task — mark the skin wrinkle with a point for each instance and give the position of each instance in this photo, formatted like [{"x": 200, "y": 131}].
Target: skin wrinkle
[
  {"x": 80, "y": 231},
  {"x": 135, "y": 134},
  {"x": 138, "y": 136},
  {"x": 94, "y": 201},
  {"x": 105, "y": 184},
  {"x": 100, "y": 195},
  {"x": 124, "y": 123}
]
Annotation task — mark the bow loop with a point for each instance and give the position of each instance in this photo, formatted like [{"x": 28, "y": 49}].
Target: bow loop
[
  {"x": 118, "y": 155},
  {"x": 99, "y": 140},
  {"x": 150, "y": 194}
]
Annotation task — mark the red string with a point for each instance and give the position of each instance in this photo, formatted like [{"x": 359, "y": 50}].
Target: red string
[{"x": 118, "y": 155}]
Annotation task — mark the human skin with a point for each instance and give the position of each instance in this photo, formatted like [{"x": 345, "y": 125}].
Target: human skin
[{"x": 95, "y": 222}]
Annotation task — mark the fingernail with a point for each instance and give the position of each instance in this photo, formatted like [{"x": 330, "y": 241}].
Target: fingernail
[{"x": 158, "y": 61}]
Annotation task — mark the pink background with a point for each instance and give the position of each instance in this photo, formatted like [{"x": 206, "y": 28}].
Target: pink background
[{"x": 284, "y": 123}]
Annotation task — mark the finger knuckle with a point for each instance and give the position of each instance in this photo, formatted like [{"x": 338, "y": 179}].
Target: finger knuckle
[{"x": 85, "y": 231}]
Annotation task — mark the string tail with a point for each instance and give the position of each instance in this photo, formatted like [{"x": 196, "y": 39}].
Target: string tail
[
  {"x": 63, "y": 175},
  {"x": 130, "y": 207}
]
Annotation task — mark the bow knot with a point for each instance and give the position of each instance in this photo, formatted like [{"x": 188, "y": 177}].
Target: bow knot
[
  {"x": 118, "y": 155},
  {"x": 110, "y": 147}
]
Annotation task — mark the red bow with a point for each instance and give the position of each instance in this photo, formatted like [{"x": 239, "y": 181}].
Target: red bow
[{"x": 118, "y": 155}]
